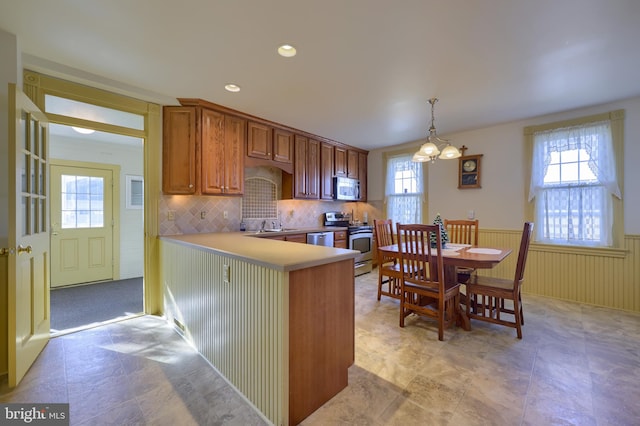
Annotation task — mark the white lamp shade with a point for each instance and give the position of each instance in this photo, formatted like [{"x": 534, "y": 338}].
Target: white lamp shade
[
  {"x": 450, "y": 152},
  {"x": 429, "y": 149},
  {"x": 419, "y": 157}
]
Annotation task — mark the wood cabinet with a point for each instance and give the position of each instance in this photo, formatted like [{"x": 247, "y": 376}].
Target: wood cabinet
[
  {"x": 259, "y": 140},
  {"x": 269, "y": 143},
  {"x": 293, "y": 238},
  {"x": 305, "y": 181},
  {"x": 282, "y": 146},
  {"x": 340, "y": 239},
  {"x": 326, "y": 171},
  {"x": 296, "y": 238},
  {"x": 203, "y": 152},
  {"x": 207, "y": 146},
  {"x": 223, "y": 139},
  {"x": 352, "y": 164},
  {"x": 179, "y": 150},
  {"x": 362, "y": 175},
  {"x": 340, "y": 161}
]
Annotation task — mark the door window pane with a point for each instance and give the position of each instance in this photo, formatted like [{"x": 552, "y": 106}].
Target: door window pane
[
  {"x": 43, "y": 215},
  {"x": 82, "y": 202},
  {"x": 25, "y": 216}
]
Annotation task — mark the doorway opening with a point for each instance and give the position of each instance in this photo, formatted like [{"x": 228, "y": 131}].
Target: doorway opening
[{"x": 97, "y": 228}]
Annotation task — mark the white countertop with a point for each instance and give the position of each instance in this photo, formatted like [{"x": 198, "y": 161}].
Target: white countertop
[{"x": 280, "y": 255}]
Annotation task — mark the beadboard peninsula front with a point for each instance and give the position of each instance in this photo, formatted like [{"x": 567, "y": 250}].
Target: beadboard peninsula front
[{"x": 275, "y": 318}]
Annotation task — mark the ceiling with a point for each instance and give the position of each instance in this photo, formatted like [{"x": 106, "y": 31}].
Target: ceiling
[{"x": 365, "y": 69}]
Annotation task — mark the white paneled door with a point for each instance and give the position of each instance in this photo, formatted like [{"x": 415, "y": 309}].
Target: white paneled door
[{"x": 28, "y": 291}]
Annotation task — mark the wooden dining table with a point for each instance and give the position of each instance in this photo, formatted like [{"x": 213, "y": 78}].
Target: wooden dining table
[{"x": 460, "y": 256}]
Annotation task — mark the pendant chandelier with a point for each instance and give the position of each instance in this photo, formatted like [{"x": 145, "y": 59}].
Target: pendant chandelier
[{"x": 430, "y": 150}]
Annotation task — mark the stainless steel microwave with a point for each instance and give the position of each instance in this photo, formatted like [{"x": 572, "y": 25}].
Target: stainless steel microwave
[{"x": 346, "y": 189}]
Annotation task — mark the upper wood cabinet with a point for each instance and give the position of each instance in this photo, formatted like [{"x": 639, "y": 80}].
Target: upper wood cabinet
[
  {"x": 259, "y": 140},
  {"x": 203, "y": 152},
  {"x": 352, "y": 164},
  {"x": 362, "y": 175},
  {"x": 340, "y": 161},
  {"x": 305, "y": 181},
  {"x": 269, "y": 143},
  {"x": 282, "y": 146},
  {"x": 223, "y": 138},
  {"x": 179, "y": 150},
  {"x": 326, "y": 170}
]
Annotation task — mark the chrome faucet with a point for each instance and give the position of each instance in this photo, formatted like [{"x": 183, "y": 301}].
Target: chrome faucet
[{"x": 264, "y": 222}]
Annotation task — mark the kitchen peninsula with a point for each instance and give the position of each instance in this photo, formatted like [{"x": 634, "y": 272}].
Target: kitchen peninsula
[{"x": 275, "y": 318}]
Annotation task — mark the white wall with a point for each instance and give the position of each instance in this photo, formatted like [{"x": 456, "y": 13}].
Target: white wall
[
  {"x": 500, "y": 203},
  {"x": 130, "y": 160}
]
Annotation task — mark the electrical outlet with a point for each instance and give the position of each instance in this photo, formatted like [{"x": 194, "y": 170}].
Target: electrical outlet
[
  {"x": 171, "y": 215},
  {"x": 225, "y": 273},
  {"x": 202, "y": 215},
  {"x": 225, "y": 214}
]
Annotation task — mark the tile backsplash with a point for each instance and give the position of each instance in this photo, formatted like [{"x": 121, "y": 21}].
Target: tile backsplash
[{"x": 187, "y": 214}]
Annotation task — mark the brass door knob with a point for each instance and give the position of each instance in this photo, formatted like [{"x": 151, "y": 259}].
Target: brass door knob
[{"x": 26, "y": 249}]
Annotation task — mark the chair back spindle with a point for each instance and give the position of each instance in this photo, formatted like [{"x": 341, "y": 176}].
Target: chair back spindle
[{"x": 462, "y": 231}]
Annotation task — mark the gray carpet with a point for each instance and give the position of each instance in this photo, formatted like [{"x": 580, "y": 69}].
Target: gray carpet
[{"x": 83, "y": 305}]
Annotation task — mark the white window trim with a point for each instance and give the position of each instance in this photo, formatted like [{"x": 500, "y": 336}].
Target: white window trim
[
  {"x": 617, "y": 134},
  {"x": 129, "y": 193},
  {"x": 422, "y": 194}
]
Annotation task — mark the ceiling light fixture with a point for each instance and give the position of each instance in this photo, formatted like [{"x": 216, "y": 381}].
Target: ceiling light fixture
[
  {"x": 83, "y": 130},
  {"x": 430, "y": 150},
  {"x": 232, "y": 87},
  {"x": 287, "y": 51}
]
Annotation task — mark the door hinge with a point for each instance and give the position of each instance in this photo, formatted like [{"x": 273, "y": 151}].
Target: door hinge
[{"x": 113, "y": 222}]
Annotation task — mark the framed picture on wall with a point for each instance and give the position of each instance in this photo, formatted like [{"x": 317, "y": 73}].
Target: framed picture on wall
[{"x": 469, "y": 171}]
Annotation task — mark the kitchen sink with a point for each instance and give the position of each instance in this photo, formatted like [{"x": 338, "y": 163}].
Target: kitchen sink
[{"x": 262, "y": 231}]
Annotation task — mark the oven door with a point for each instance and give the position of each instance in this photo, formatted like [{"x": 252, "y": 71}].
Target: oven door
[{"x": 363, "y": 242}]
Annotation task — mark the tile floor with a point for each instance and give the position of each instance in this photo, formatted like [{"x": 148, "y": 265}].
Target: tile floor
[{"x": 577, "y": 364}]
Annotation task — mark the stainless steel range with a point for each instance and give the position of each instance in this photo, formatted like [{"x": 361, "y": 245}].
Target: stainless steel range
[{"x": 360, "y": 238}]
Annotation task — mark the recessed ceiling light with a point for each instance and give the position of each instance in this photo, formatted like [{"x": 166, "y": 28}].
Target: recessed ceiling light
[
  {"x": 287, "y": 50},
  {"x": 83, "y": 130},
  {"x": 232, "y": 87}
]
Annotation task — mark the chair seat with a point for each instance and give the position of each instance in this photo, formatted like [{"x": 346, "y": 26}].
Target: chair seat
[
  {"x": 481, "y": 282},
  {"x": 448, "y": 287}
]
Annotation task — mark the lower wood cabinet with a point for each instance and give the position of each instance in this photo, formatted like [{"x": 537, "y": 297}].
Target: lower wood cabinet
[{"x": 340, "y": 239}]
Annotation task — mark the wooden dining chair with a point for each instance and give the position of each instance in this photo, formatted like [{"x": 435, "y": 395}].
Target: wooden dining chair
[
  {"x": 389, "y": 272},
  {"x": 424, "y": 289},
  {"x": 463, "y": 231},
  {"x": 486, "y": 296}
]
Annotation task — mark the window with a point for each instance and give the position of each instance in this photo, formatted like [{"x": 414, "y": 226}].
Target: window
[
  {"x": 82, "y": 202},
  {"x": 573, "y": 182},
  {"x": 404, "y": 189},
  {"x": 135, "y": 192}
]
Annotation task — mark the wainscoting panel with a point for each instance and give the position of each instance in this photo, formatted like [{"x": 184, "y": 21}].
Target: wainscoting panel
[
  {"x": 596, "y": 277},
  {"x": 235, "y": 318}
]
